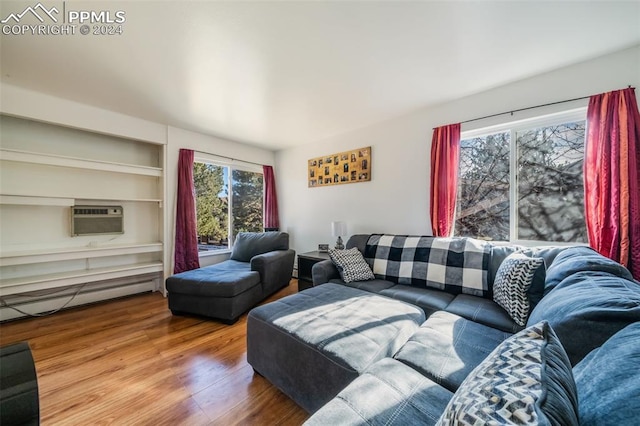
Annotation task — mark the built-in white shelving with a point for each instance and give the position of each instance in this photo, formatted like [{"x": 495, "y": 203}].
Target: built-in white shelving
[
  {"x": 73, "y": 253},
  {"x": 45, "y": 170},
  {"x": 79, "y": 163},
  {"x": 21, "y": 200},
  {"x": 65, "y": 279}
]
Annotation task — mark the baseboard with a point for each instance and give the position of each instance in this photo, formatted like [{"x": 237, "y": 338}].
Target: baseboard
[{"x": 86, "y": 296}]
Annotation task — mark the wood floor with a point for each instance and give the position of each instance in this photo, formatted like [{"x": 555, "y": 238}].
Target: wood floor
[{"x": 129, "y": 361}]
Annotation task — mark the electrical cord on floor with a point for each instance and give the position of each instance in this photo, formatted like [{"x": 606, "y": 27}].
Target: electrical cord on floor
[{"x": 4, "y": 304}]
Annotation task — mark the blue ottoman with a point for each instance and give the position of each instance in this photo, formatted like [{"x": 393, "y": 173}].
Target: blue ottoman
[{"x": 312, "y": 344}]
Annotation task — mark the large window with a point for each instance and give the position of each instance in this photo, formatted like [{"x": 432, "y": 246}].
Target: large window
[
  {"x": 523, "y": 182},
  {"x": 228, "y": 201}
]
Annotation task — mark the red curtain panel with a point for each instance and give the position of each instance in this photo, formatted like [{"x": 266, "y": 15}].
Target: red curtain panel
[
  {"x": 445, "y": 153},
  {"x": 611, "y": 177},
  {"x": 186, "y": 244},
  {"x": 271, "y": 219}
]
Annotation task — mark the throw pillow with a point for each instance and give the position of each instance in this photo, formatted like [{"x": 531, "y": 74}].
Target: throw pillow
[
  {"x": 250, "y": 244},
  {"x": 607, "y": 381},
  {"x": 351, "y": 265},
  {"x": 513, "y": 279},
  {"x": 527, "y": 379}
]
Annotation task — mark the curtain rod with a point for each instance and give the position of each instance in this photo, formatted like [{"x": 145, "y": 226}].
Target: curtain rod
[
  {"x": 528, "y": 108},
  {"x": 229, "y": 158}
]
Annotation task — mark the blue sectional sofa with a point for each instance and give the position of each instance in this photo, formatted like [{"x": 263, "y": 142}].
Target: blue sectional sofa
[{"x": 462, "y": 354}]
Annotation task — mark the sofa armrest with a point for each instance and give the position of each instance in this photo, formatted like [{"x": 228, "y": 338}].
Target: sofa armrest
[
  {"x": 324, "y": 271},
  {"x": 275, "y": 268}
]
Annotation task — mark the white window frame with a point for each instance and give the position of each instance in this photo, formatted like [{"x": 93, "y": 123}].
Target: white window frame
[
  {"x": 231, "y": 165},
  {"x": 577, "y": 114}
]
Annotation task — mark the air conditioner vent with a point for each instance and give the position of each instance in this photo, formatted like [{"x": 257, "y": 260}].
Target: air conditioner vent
[{"x": 96, "y": 220}]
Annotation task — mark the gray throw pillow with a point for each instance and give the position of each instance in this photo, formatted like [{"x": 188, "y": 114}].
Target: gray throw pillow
[
  {"x": 250, "y": 244},
  {"x": 511, "y": 287},
  {"x": 607, "y": 381},
  {"x": 351, "y": 265},
  {"x": 526, "y": 380},
  {"x": 587, "y": 308}
]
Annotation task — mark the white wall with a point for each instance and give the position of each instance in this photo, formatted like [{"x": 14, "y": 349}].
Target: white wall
[{"x": 396, "y": 199}]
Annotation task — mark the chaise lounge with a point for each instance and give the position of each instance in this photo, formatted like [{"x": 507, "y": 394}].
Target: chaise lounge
[{"x": 260, "y": 264}]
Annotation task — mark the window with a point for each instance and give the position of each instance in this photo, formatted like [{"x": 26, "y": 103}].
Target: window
[
  {"x": 228, "y": 201},
  {"x": 523, "y": 182}
]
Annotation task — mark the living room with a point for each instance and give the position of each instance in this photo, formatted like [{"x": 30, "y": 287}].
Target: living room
[{"x": 356, "y": 86}]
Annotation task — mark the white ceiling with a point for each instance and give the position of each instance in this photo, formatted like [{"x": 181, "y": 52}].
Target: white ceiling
[{"x": 277, "y": 74}]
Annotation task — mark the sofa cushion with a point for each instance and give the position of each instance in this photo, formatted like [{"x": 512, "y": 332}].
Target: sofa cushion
[
  {"x": 607, "y": 381},
  {"x": 226, "y": 279},
  {"x": 587, "y": 308},
  {"x": 428, "y": 299},
  {"x": 483, "y": 311},
  {"x": 388, "y": 393},
  {"x": 249, "y": 244},
  {"x": 312, "y": 344},
  {"x": 511, "y": 287},
  {"x": 577, "y": 259},
  {"x": 351, "y": 265},
  {"x": 455, "y": 265},
  {"x": 525, "y": 380},
  {"x": 373, "y": 286},
  {"x": 446, "y": 348}
]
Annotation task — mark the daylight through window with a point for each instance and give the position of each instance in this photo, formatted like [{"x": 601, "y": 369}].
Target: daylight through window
[
  {"x": 524, "y": 182},
  {"x": 228, "y": 201}
]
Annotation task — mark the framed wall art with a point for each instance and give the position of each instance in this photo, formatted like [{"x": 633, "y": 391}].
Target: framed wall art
[{"x": 344, "y": 167}]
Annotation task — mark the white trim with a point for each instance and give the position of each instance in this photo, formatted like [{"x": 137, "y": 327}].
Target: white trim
[
  {"x": 546, "y": 120},
  {"x": 202, "y": 157},
  {"x": 210, "y": 253}
]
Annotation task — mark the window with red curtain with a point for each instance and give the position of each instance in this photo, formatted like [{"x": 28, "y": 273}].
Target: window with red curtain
[
  {"x": 186, "y": 243},
  {"x": 445, "y": 152},
  {"x": 611, "y": 177}
]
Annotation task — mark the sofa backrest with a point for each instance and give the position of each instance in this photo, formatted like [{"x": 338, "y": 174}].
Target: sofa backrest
[
  {"x": 250, "y": 244},
  {"x": 498, "y": 254},
  {"x": 359, "y": 241}
]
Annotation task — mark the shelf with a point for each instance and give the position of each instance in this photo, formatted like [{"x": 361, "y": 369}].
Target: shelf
[
  {"x": 54, "y": 255},
  {"x": 22, "y": 200},
  {"x": 78, "y": 163},
  {"x": 37, "y": 200},
  {"x": 64, "y": 279}
]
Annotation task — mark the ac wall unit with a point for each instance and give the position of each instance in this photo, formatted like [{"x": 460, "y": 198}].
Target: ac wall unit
[{"x": 96, "y": 220}]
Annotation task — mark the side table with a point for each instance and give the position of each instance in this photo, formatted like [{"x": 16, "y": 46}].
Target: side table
[{"x": 305, "y": 263}]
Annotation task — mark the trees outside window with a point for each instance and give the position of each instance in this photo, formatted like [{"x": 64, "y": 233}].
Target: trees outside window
[
  {"x": 226, "y": 206},
  {"x": 524, "y": 183}
]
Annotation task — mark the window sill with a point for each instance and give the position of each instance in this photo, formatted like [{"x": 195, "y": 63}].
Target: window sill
[
  {"x": 212, "y": 253},
  {"x": 525, "y": 243}
]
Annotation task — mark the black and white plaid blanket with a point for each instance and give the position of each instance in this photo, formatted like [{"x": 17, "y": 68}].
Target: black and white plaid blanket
[{"x": 456, "y": 265}]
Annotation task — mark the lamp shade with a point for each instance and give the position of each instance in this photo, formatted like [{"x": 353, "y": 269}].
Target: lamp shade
[{"x": 338, "y": 229}]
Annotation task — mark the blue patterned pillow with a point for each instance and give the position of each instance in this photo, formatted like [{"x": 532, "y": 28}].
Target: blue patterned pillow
[
  {"x": 527, "y": 379},
  {"x": 512, "y": 283},
  {"x": 351, "y": 265}
]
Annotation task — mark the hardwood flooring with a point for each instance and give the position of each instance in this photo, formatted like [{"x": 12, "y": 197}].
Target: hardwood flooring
[{"x": 129, "y": 361}]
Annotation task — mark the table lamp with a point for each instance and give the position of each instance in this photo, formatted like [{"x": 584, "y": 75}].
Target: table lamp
[{"x": 338, "y": 229}]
